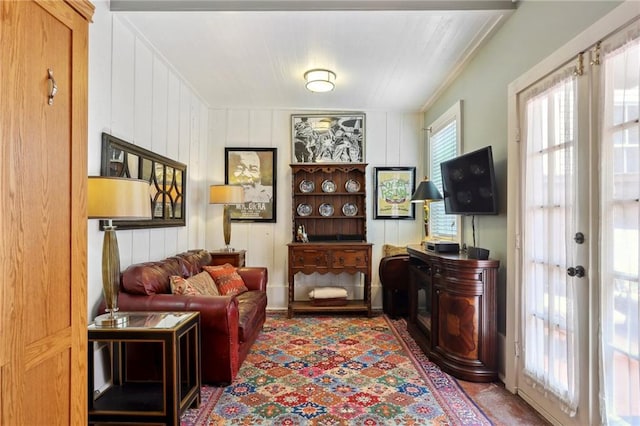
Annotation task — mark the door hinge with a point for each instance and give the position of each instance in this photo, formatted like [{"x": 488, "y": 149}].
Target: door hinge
[
  {"x": 579, "y": 68},
  {"x": 595, "y": 54},
  {"x": 517, "y": 349}
]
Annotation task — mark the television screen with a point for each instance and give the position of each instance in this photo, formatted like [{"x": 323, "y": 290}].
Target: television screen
[{"x": 469, "y": 184}]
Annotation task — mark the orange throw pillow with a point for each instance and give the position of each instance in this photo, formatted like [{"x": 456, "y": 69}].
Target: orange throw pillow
[{"x": 227, "y": 279}]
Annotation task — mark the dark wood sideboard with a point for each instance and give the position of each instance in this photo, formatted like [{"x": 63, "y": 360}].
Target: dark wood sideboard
[{"x": 452, "y": 312}]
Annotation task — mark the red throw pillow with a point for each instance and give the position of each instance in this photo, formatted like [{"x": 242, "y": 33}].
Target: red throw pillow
[{"x": 227, "y": 279}]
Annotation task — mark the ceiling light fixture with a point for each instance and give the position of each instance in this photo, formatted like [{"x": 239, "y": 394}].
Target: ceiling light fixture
[{"x": 320, "y": 80}]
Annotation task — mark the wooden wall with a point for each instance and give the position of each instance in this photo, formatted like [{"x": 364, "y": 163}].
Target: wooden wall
[
  {"x": 137, "y": 96},
  {"x": 392, "y": 139}
]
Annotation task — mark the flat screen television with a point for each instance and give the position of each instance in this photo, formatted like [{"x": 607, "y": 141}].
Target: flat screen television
[{"x": 469, "y": 184}]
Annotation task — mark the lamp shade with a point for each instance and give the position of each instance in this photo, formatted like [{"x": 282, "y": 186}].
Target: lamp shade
[
  {"x": 426, "y": 191},
  {"x": 320, "y": 80},
  {"x": 226, "y": 194},
  {"x": 118, "y": 198}
]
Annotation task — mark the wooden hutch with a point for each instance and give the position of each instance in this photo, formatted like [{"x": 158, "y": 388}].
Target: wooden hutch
[{"x": 329, "y": 203}]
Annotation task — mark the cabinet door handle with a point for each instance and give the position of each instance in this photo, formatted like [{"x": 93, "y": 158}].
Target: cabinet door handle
[
  {"x": 53, "y": 87},
  {"x": 342, "y": 260},
  {"x": 301, "y": 259}
]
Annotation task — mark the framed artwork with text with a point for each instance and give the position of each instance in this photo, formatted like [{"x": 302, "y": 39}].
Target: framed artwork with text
[
  {"x": 393, "y": 189},
  {"x": 255, "y": 170}
]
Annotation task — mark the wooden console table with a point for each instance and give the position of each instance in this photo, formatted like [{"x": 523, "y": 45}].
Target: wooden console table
[
  {"x": 452, "y": 312},
  {"x": 335, "y": 258}
]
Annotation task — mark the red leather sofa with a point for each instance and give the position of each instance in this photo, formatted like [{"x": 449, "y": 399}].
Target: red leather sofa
[{"x": 228, "y": 324}]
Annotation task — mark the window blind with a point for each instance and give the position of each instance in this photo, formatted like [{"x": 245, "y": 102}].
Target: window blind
[{"x": 444, "y": 146}]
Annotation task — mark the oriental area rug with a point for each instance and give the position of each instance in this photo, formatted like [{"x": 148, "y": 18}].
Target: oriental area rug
[{"x": 327, "y": 370}]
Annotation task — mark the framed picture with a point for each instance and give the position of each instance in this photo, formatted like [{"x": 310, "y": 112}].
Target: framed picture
[
  {"x": 255, "y": 170},
  {"x": 393, "y": 189},
  {"x": 328, "y": 138}
]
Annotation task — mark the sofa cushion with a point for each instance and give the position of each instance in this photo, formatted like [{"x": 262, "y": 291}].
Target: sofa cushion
[
  {"x": 252, "y": 306},
  {"x": 227, "y": 279},
  {"x": 195, "y": 260},
  {"x": 152, "y": 277},
  {"x": 199, "y": 284}
]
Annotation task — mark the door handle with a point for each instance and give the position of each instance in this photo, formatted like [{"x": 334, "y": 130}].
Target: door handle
[
  {"x": 578, "y": 271},
  {"x": 53, "y": 87}
]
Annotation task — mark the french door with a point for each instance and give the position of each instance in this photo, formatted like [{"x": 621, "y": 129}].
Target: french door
[
  {"x": 555, "y": 261},
  {"x": 620, "y": 226},
  {"x": 578, "y": 232}
]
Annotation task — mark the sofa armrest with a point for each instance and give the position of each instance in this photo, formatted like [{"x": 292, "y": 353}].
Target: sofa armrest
[
  {"x": 219, "y": 313},
  {"x": 219, "y": 328},
  {"x": 254, "y": 277}
]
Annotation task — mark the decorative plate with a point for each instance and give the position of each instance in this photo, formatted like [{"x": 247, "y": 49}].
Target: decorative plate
[
  {"x": 352, "y": 185},
  {"x": 325, "y": 209},
  {"x": 329, "y": 186},
  {"x": 303, "y": 209},
  {"x": 349, "y": 209},
  {"x": 307, "y": 186}
]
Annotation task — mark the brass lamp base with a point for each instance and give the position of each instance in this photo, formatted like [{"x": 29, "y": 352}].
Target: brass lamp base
[{"x": 111, "y": 321}]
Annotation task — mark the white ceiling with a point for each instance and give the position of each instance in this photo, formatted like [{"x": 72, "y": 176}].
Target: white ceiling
[{"x": 385, "y": 58}]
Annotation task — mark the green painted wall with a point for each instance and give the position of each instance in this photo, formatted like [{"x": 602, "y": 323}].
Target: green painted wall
[{"x": 534, "y": 31}]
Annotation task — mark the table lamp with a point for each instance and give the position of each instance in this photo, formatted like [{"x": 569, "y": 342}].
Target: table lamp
[
  {"x": 115, "y": 198},
  {"x": 226, "y": 194},
  {"x": 425, "y": 193}
]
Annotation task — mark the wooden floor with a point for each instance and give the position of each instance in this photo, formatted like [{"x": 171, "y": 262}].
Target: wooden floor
[{"x": 501, "y": 406}]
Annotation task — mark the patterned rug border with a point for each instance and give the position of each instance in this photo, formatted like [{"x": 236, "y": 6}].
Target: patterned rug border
[{"x": 452, "y": 398}]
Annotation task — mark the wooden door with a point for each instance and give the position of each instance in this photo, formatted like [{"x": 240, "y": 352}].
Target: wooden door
[{"x": 43, "y": 303}]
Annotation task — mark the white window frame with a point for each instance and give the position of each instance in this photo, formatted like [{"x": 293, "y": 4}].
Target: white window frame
[{"x": 454, "y": 113}]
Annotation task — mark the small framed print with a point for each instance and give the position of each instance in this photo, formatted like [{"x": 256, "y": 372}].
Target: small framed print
[
  {"x": 394, "y": 187},
  {"x": 255, "y": 170},
  {"x": 328, "y": 138}
]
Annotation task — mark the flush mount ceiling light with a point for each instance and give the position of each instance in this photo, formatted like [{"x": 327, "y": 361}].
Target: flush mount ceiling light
[{"x": 320, "y": 80}]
